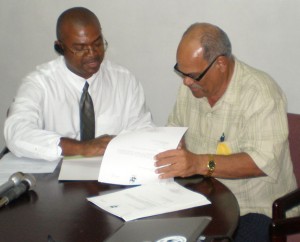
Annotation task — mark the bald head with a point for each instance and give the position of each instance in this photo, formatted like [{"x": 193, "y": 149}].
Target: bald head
[
  {"x": 212, "y": 40},
  {"x": 75, "y": 17}
]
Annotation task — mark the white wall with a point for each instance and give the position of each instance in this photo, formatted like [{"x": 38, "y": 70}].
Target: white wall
[{"x": 143, "y": 36}]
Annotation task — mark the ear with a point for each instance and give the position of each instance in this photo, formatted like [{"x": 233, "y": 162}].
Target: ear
[
  {"x": 222, "y": 63},
  {"x": 58, "y": 48}
]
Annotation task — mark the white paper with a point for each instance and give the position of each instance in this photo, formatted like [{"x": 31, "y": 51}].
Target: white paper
[
  {"x": 78, "y": 168},
  {"x": 147, "y": 200},
  {"x": 129, "y": 157},
  {"x": 10, "y": 164}
]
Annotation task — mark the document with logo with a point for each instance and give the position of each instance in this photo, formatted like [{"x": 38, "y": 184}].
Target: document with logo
[
  {"x": 147, "y": 200},
  {"x": 129, "y": 157}
]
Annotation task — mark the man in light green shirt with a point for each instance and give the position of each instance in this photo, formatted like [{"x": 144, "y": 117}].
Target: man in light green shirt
[{"x": 238, "y": 129}]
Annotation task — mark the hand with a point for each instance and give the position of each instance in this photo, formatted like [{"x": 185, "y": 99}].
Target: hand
[
  {"x": 179, "y": 162},
  {"x": 97, "y": 146}
]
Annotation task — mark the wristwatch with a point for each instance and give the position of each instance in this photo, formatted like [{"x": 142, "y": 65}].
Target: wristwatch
[{"x": 211, "y": 165}]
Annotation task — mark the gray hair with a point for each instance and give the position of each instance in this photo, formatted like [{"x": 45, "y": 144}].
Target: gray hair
[{"x": 212, "y": 38}]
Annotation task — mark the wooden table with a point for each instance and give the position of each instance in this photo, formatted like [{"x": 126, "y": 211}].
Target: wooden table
[{"x": 60, "y": 209}]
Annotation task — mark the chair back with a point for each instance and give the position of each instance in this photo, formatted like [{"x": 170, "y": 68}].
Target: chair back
[{"x": 294, "y": 141}]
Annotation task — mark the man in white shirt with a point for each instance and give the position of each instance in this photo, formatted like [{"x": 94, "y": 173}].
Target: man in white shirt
[{"x": 44, "y": 118}]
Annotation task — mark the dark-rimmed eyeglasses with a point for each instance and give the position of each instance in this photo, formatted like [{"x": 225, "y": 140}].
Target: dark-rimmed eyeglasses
[
  {"x": 201, "y": 75},
  {"x": 97, "y": 45}
]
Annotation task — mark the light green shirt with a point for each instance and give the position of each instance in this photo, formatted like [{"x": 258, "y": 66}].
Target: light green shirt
[{"x": 252, "y": 116}]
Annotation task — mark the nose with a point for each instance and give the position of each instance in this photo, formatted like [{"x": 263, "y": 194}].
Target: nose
[
  {"x": 188, "y": 81},
  {"x": 90, "y": 50}
]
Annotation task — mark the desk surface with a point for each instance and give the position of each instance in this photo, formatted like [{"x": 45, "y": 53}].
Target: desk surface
[{"x": 60, "y": 209}]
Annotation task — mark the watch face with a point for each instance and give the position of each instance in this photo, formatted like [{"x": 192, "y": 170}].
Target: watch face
[{"x": 211, "y": 164}]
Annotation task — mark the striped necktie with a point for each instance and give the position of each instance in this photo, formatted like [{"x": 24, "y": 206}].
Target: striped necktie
[{"x": 87, "y": 115}]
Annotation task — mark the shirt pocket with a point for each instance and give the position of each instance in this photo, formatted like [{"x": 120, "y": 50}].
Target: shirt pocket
[{"x": 228, "y": 147}]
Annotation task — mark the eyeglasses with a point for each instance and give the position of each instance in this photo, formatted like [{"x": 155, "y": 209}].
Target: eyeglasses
[
  {"x": 97, "y": 45},
  {"x": 201, "y": 75}
]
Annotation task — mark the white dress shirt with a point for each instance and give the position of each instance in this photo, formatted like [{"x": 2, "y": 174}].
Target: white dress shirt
[{"x": 46, "y": 107}]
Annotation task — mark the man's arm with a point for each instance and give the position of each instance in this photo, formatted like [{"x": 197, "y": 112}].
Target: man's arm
[
  {"x": 94, "y": 147},
  {"x": 184, "y": 163},
  {"x": 137, "y": 113}
]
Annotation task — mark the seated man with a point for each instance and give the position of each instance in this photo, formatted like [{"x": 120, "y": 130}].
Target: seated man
[
  {"x": 52, "y": 116},
  {"x": 238, "y": 129}
]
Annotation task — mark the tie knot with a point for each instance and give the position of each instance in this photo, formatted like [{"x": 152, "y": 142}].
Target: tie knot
[{"x": 86, "y": 87}]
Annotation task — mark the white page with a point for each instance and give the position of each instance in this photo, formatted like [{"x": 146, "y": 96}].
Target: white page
[
  {"x": 10, "y": 164},
  {"x": 147, "y": 200},
  {"x": 129, "y": 157},
  {"x": 80, "y": 168}
]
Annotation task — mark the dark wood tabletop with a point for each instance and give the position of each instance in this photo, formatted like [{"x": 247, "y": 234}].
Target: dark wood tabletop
[{"x": 61, "y": 210}]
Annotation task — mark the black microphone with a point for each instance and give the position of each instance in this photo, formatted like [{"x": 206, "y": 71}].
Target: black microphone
[
  {"x": 13, "y": 193},
  {"x": 13, "y": 180}
]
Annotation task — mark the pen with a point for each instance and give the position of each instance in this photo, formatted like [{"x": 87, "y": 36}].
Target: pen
[{"x": 222, "y": 138}]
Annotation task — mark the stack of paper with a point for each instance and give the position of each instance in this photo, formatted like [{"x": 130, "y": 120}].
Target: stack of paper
[
  {"x": 80, "y": 168},
  {"x": 10, "y": 164}
]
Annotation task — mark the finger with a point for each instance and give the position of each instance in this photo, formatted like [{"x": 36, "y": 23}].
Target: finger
[
  {"x": 164, "y": 169},
  {"x": 165, "y": 154},
  {"x": 108, "y": 139},
  {"x": 164, "y": 162},
  {"x": 167, "y": 175},
  {"x": 104, "y": 136}
]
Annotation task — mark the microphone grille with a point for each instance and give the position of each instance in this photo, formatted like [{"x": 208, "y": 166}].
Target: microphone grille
[
  {"x": 30, "y": 179},
  {"x": 17, "y": 177}
]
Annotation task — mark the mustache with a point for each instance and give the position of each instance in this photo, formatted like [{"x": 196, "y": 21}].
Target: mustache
[
  {"x": 92, "y": 59},
  {"x": 195, "y": 85}
]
